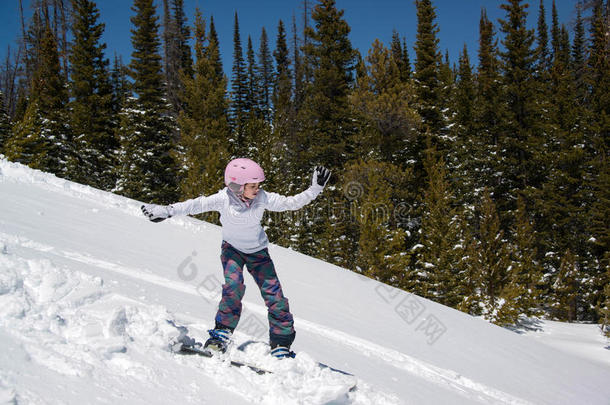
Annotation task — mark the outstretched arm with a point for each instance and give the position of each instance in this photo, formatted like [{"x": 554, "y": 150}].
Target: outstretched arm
[
  {"x": 158, "y": 213},
  {"x": 277, "y": 202}
]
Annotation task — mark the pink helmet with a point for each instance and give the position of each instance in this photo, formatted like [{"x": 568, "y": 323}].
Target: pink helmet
[{"x": 241, "y": 171}]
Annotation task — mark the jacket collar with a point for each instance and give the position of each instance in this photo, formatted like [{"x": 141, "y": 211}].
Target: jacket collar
[{"x": 234, "y": 199}]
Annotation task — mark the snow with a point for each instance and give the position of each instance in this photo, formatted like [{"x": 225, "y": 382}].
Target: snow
[
  {"x": 91, "y": 294},
  {"x": 583, "y": 340}
]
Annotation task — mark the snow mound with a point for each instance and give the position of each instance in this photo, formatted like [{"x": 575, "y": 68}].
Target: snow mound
[{"x": 67, "y": 321}]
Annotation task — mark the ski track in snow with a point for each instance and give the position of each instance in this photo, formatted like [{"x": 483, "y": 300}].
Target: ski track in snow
[{"x": 448, "y": 378}]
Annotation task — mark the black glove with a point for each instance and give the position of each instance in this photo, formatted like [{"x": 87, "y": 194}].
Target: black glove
[
  {"x": 320, "y": 176},
  {"x": 155, "y": 213}
]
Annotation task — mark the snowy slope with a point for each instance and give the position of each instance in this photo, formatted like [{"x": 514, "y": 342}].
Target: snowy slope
[{"x": 88, "y": 285}]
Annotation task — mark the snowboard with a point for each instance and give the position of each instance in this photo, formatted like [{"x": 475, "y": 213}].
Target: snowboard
[
  {"x": 242, "y": 347},
  {"x": 199, "y": 351},
  {"x": 189, "y": 346}
]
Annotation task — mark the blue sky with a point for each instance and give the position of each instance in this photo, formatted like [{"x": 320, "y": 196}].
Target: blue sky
[{"x": 458, "y": 21}]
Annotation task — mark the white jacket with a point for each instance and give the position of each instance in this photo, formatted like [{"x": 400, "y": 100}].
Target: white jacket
[{"x": 241, "y": 223}]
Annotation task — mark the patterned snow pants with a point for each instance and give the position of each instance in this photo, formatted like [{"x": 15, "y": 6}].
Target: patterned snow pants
[{"x": 260, "y": 266}]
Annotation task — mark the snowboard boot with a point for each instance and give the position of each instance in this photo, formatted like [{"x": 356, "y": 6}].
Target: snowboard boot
[
  {"x": 282, "y": 352},
  {"x": 280, "y": 345},
  {"x": 219, "y": 340}
]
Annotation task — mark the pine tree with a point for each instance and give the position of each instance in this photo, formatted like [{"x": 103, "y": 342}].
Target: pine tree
[
  {"x": 32, "y": 42},
  {"x": 472, "y": 294},
  {"x": 203, "y": 122},
  {"x": 406, "y": 59},
  {"x": 555, "y": 32},
  {"x": 257, "y": 131},
  {"x": 42, "y": 138},
  {"x": 542, "y": 72},
  {"x": 120, "y": 85},
  {"x": 439, "y": 260},
  {"x": 239, "y": 92},
  {"x": 325, "y": 122},
  {"x": 91, "y": 110},
  {"x": 561, "y": 80},
  {"x": 568, "y": 289},
  {"x": 167, "y": 37},
  {"x": 525, "y": 278},
  {"x": 598, "y": 237},
  {"x": 46, "y": 13},
  {"x": 145, "y": 67},
  {"x": 178, "y": 57},
  {"x": 300, "y": 64},
  {"x": 307, "y": 64},
  {"x": 598, "y": 76},
  {"x": 253, "y": 90},
  {"x": 597, "y": 139},
  {"x": 49, "y": 86},
  {"x": 396, "y": 48},
  {"x": 148, "y": 170},
  {"x": 5, "y": 123},
  {"x": 21, "y": 104},
  {"x": 266, "y": 79},
  {"x": 428, "y": 61},
  {"x": 489, "y": 260},
  {"x": 183, "y": 34},
  {"x": 542, "y": 38},
  {"x": 61, "y": 12},
  {"x": 386, "y": 108},
  {"x": 281, "y": 139},
  {"x": 12, "y": 80},
  {"x": 447, "y": 77},
  {"x": 523, "y": 164},
  {"x": 282, "y": 86},
  {"x": 489, "y": 116},
  {"x": 326, "y": 109},
  {"x": 578, "y": 59},
  {"x": 401, "y": 56},
  {"x": 465, "y": 94},
  {"x": 578, "y": 69},
  {"x": 464, "y": 158},
  {"x": 379, "y": 246},
  {"x": 25, "y": 145},
  {"x": 561, "y": 196},
  {"x": 215, "y": 56},
  {"x": 282, "y": 114}
]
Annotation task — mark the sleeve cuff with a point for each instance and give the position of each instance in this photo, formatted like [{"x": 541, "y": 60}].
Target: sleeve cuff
[{"x": 316, "y": 188}]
